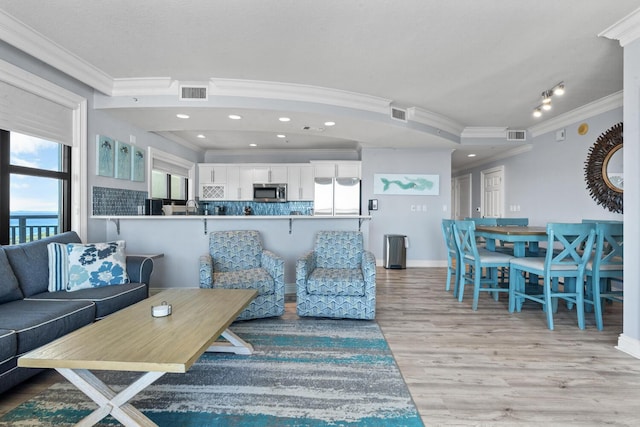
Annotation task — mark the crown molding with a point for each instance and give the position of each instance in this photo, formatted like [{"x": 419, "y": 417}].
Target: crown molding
[
  {"x": 626, "y": 30},
  {"x": 24, "y": 80},
  {"x": 435, "y": 120},
  {"x": 145, "y": 86},
  {"x": 26, "y": 39},
  {"x": 157, "y": 86},
  {"x": 594, "y": 108},
  {"x": 298, "y": 92},
  {"x": 484, "y": 132}
]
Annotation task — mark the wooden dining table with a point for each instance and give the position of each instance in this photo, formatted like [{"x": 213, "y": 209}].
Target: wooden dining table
[{"x": 517, "y": 234}]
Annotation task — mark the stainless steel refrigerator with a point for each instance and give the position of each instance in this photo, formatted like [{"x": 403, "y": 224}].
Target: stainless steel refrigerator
[{"x": 336, "y": 196}]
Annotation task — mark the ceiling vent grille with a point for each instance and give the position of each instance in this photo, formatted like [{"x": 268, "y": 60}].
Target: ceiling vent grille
[
  {"x": 193, "y": 93},
  {"x": 399, "y": 114},
  {"x": 516, "y": 135},
  {"x": 312, "y": 129}
]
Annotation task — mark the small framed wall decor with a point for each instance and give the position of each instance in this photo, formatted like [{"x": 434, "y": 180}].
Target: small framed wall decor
[
  {"x": 138, "y": 164},
  {"x": 123, "y": 160},
  {"x": 105, "y": 156}
]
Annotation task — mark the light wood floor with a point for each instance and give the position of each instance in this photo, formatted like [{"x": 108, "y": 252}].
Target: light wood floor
[{"x": 488, "y": 368}]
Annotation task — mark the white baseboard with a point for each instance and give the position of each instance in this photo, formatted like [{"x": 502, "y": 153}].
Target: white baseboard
[{"x": 629, "y": 345}]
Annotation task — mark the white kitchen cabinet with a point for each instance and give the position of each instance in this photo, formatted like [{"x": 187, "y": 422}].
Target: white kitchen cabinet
[
  {"x": 348, "y": 169},
  {"x": 246, "y": 183},
  {"x": 212, "y": 181},
  {"x": 208, "y": 173},
  {"x": 239, "y": 183},
  {"x": 338, "y": 169},
  {"x": 324, "y": 170},
  {"x": 270, "y": 174},
  {"x": 300, "y": 182}
]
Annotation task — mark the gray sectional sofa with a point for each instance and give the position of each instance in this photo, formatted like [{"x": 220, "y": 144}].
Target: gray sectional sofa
[{"x": 31, "y": 316}]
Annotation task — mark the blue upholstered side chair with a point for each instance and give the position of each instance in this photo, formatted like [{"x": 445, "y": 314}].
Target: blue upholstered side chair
[
  {"x": 607, "y": 264},
  {"x": 337, "y": 278},
  {"x": 479, "y": 266},
  {"x": 569, "y": 247},
  {"x": 237, "y": 260},
  {"x": 453, "y": 256}
]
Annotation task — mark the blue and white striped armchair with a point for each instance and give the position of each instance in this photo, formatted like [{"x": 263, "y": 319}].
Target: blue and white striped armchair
[
  {"x": 337, "y": 278},
  {"x": 237, "y": 260}
]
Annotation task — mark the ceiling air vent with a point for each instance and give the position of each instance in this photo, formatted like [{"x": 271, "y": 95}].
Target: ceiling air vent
[
  {"x": 193, "y": 93},
  {"x": 399, "y": 114},
  {"x": 312, "y": 129},
  {"x": 516, "y": 135}
]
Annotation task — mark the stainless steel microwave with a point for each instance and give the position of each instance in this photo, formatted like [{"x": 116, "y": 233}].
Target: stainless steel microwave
[{"x": 269, "y": 192}]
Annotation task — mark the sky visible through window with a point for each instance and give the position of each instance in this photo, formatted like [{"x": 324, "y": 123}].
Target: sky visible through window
[{"x": 28, "y": 193}]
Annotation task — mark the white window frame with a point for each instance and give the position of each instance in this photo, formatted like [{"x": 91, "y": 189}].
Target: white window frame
[
  {"x": 154, "y": 153},
  {"x": 38, "y": 86}
]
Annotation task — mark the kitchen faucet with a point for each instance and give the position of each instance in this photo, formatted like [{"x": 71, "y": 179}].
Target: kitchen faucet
[{"x": 191, "y": 203}]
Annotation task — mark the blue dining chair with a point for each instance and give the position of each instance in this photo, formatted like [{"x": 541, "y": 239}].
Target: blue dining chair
[
  {"x": 505, "y": 246},
  {"x": 605, "y": 266},
  {"x": 483, "y": 221},
  {"x": 512, "y": 221},
  {"x": 478, "y": 265},
  {"x": 453, "y": 256},
  {"x": 565, "y": 258}
]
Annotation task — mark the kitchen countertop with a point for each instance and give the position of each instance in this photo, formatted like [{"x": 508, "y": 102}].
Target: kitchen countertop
[{"x": 222, "y": 217}]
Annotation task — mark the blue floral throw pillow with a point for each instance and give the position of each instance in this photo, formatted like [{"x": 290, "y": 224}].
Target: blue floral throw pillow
[{"x": 96, "y": 264}]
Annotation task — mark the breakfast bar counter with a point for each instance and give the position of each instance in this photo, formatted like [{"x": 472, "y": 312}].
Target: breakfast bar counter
[{"x": 184, "y": 238}]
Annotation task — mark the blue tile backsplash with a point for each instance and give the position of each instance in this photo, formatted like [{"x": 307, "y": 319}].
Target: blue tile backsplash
[
  {"x": 116, "y": 201},
  {"x": 258, "y": 208}
]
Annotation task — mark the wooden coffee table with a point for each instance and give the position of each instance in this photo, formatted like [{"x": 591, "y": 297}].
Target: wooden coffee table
[{"x": 132, "y": 340}]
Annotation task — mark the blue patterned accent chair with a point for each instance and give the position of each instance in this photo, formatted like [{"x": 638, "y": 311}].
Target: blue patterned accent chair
[
  {"x": 236, "y": 260},
  {"x": 337, "y": 278}
]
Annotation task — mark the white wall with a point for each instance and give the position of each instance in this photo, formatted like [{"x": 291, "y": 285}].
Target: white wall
[
  {"x": 98, "y": 123},
  {"x": 548, "y": 182},
  {"x": 101, "y": 123},
  {"x": 401, "y": 214}
]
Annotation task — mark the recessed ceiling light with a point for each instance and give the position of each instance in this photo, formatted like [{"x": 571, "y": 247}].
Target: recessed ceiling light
[
  {"x": 201, "y": 136},
  {"x": 281, "y": 136},
  {"x": 471, "y": 155},
  {"x": 182, "y": 116},
  {"x": 329, "y": 123},
  {"x": 234, "y": 117},
  {"x": 253, "y": 145},
  {"x": 284, "y": 119}
]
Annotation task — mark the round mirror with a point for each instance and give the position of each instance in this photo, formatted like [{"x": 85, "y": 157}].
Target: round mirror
[
  {"x": 612, "y": 169},
  {"x": 603, "y": 169}
]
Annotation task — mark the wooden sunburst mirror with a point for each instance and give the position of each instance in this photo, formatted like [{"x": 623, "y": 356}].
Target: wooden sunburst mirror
[{"x": 604, "y": 180}]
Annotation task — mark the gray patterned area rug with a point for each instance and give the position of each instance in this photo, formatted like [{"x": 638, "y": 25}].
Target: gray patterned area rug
[{"x": 304, "y": 372}]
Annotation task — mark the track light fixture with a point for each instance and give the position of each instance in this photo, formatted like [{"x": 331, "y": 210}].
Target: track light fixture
[{"x": 557, "y": 90}]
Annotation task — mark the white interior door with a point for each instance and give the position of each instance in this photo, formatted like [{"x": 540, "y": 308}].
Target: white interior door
[
  {"x": 462, "y": 197},
  {"x": 492, "y": 192}
]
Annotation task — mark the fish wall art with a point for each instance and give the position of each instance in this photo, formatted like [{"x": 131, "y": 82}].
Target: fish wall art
[{"x": 405, "y": 184}]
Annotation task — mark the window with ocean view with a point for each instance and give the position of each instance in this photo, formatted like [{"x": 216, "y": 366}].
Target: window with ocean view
[{"x": 35, "y": 203}]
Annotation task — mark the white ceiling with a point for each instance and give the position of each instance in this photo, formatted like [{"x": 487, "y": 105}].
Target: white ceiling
[{"x": 457, "y": 66}]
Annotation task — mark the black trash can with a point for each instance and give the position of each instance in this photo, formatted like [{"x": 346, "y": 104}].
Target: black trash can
[{"x": 395, "y": 251}]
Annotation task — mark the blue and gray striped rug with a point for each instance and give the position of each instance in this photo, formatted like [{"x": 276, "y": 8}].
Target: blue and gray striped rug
[{"x": 304, "y": 372}]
